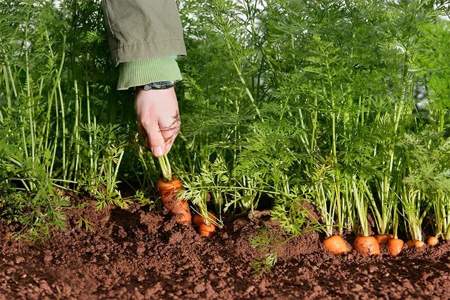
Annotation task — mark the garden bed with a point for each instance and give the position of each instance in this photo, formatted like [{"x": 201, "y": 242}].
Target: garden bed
[{"x": 137, "y": 254}]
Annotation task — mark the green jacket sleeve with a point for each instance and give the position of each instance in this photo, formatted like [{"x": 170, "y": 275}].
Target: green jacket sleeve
[
  {"x": 141, "y": 72},
  {"x": 143, "y": 29}
]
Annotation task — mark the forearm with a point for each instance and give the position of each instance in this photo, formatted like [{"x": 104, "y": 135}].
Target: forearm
[
  {"x": 145, "y": 39},
  {"x": 142, "y": 29}
]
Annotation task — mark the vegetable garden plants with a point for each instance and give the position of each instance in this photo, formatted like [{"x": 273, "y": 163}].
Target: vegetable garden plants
[
  {"x": 325, "y": 193},
  {"x": 394, "y": 244},
  {"x": 415, "y": 209},
  {"x": 364, "y": 243}
]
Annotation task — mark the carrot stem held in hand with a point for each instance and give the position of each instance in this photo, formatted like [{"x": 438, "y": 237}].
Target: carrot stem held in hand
[
  {"x": 169, "y": 191},
  {"x": 165, "y": 167}
]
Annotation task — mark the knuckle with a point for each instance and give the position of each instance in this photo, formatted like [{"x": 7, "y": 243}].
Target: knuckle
[
  {"x": 177, "y": 124},
  {"x": 177, "y": 129}
]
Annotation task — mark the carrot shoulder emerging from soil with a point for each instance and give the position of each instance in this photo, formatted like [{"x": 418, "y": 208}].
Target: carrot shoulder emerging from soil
[
  {"x": 415, "y": 244},
  {"x": 367, "y": 245},
  {"x": 337, "y": 245},
  {"x": 168, "y": 191},
  {"x": 395, "y": 246},
  {"x": 205, "y": 228},
  {"x": 432, "y": 241}
]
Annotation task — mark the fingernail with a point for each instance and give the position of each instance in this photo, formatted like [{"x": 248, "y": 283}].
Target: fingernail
[{"x": 158, "y": 151}]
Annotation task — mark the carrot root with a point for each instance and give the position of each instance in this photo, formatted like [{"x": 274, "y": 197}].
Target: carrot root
[
  {"x": 178, "y": 208},
  {"x": 205, "y": 229},
  {"x": 336, "y": 245},
  {"x": 183, "y": 218},
  {"x": 367, "y": 245},
  {"x": 432, "y": 241},
  {"x": 395, "y": 246},
  {"x": 415, "y": 244}
]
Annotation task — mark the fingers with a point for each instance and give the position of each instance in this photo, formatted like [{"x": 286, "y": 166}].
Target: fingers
[
  {"x": 155, "y": 138},
  {"x": 170, "y": 127},
  {"x": 157, "y": 112}
]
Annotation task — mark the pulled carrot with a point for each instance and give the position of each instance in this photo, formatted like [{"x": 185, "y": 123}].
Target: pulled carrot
[{"x": 169, "y": 197}]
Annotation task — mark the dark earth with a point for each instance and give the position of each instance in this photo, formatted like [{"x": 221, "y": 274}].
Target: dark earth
[{"x": 140, "y": 254}]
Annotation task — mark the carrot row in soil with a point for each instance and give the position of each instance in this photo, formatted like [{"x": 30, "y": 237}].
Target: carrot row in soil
[{"x": 371, "y": 245}]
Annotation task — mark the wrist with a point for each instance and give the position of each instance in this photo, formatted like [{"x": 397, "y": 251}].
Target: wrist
[
  {"x": 158, "y": 85},
  {"x": 153, "y": 95}
]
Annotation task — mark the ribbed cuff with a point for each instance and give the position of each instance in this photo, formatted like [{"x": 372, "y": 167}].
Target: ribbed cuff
[{"x": 142, "y": 72}]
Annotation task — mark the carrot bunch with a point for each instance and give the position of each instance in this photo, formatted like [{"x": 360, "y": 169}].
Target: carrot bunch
[
  {"x": 169, "y": 191},
  {"x": 169, "y": 188}
]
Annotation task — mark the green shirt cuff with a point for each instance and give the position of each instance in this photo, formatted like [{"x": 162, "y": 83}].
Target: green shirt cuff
[{"x": 141, "y": 72}]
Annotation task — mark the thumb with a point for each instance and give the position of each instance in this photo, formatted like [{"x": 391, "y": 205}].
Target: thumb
[{"x": 155, "y": 138}]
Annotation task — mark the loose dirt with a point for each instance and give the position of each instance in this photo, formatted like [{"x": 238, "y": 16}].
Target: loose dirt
[{"x": 137, "y": 254}]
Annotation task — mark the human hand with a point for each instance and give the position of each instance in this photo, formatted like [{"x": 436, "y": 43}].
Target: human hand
[{"x": 159, "y": 118}]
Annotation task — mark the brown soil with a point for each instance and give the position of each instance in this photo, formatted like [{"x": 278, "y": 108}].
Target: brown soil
[{"x": 134, "y": 254}]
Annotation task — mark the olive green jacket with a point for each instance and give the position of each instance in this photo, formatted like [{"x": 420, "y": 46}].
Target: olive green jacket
[{"x": 143, "y": 29}]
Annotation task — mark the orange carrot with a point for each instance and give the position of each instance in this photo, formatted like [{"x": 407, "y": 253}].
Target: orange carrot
[
  {"x": 337, "y": 245},
  {"x": 395, "y": 246},
  {"x": 197, "y": 220},
  {"x": 183, "y": 218},
  {"x": 415, "y": 244},
  {"x": 205, "y": 227},
  {"x": 206, "y": 230},
  {"x": 432, "y": 241},
  {"x": 367, "y": 245},
  {"x": 179, "y": 208}
]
